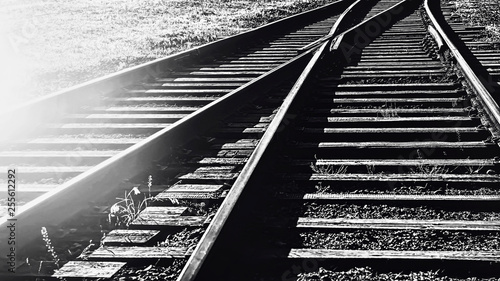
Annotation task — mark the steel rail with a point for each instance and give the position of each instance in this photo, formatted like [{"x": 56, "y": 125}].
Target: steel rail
[
  {"x": 489, "y": 103},
  {"x": 52, "y": 106},
  {"x": 335, "y": 28},
  {"x": 339, "y": 42},
  {"x": 283, "y": 179},
  {"x": 68, "y": 199},
  {"x": 208, "y": 240}
]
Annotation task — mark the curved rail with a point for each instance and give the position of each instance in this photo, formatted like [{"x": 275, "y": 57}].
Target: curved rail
[
  {"x": 69, "y": 198},
  {"x": 342, "y": 42},
  {"x": 489, "y": 103},
  {"x": 208, "y": 240},
  {"x": 334, "y": 30}
]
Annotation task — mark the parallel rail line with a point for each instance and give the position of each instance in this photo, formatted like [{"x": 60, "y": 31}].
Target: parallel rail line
[
  {"x": 376, "y": 145},
  {"x": 94, "y": 128},
  {"x": 89, "y": 141}
]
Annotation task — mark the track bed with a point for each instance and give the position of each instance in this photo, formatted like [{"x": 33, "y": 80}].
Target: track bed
[{"x": 373, "y": 155}]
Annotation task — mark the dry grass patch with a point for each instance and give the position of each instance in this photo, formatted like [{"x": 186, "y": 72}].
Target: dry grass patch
[{"x": 48, "y": 45}]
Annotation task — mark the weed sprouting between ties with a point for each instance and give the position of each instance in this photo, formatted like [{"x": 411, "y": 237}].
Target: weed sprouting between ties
[
  {"x": 370, "y": 169},
  {"x": 474, "y": 169},
  {"x": 327, "y": 169},
  {"x": 321, "y": 169},
  {"x": 389, "y": 110},
  {"x": 50, "y": 248},
  {"x": 429, "y": 170},
  {"x": 322, "y": 189},
  {"x": 123, "y": 212}
]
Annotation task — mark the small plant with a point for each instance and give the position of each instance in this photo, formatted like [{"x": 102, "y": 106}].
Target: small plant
[
  {"x": 126, "y": 210},
  {"x": 340, "y": 170},
  {"x": 84, "y": 255},
  {"x": 322, "y": 189},
  {"x": 370, "y": 169},
  {"x": 321, "y": 169},
  {"x": 150, "y": 184},
  {"x": 459, "y": 136},
  {"x": 389, "y": 110},
  {"x": 51, "y": 251},
  {"x": 327, "y": 169},
  {"x": 427, "y": 169},
  {"x": 50, "y": 248},
  {"x": 123, "y": 212},
  {"x": 85, "y": 252},
  {"x": 474, "y": 169},
  {"x": 431, "y": 169}
]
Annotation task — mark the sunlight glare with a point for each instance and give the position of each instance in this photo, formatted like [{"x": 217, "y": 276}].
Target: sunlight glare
[{"x": 11, "y": 73}]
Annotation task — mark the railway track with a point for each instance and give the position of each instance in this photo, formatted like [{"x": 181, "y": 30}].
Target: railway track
[
  {"x": 483, "y": 53},
  {"x": 374, "y": 170},
  {"x": 370, "y": 168},
  {"x": 375, "y": 148},
  {"x": 106, "y": 124},
  {"x": 116, "y": 135}
]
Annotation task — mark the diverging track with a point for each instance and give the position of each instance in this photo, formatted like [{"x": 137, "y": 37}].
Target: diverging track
[
  {"x": 388, "y": 161},
  {"x": 377, "y": 147},
  {"x": 92, "y": 146},
  {"x": 82, "y": 127}
]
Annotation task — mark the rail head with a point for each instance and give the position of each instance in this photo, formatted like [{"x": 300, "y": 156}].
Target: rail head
[{"x": 476, "y": 83}]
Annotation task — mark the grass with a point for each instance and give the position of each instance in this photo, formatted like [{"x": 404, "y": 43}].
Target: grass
[
  {"x": 389, "y": 110},
  {"x": 429, "y": 170},
  {"x": 320, "y": 188},
  {"x": 483, "y": 13},
  {"x": 327, "y": 169},
  {"x": 50, "y": 45},
  {"x": 474, "y": 169}
]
